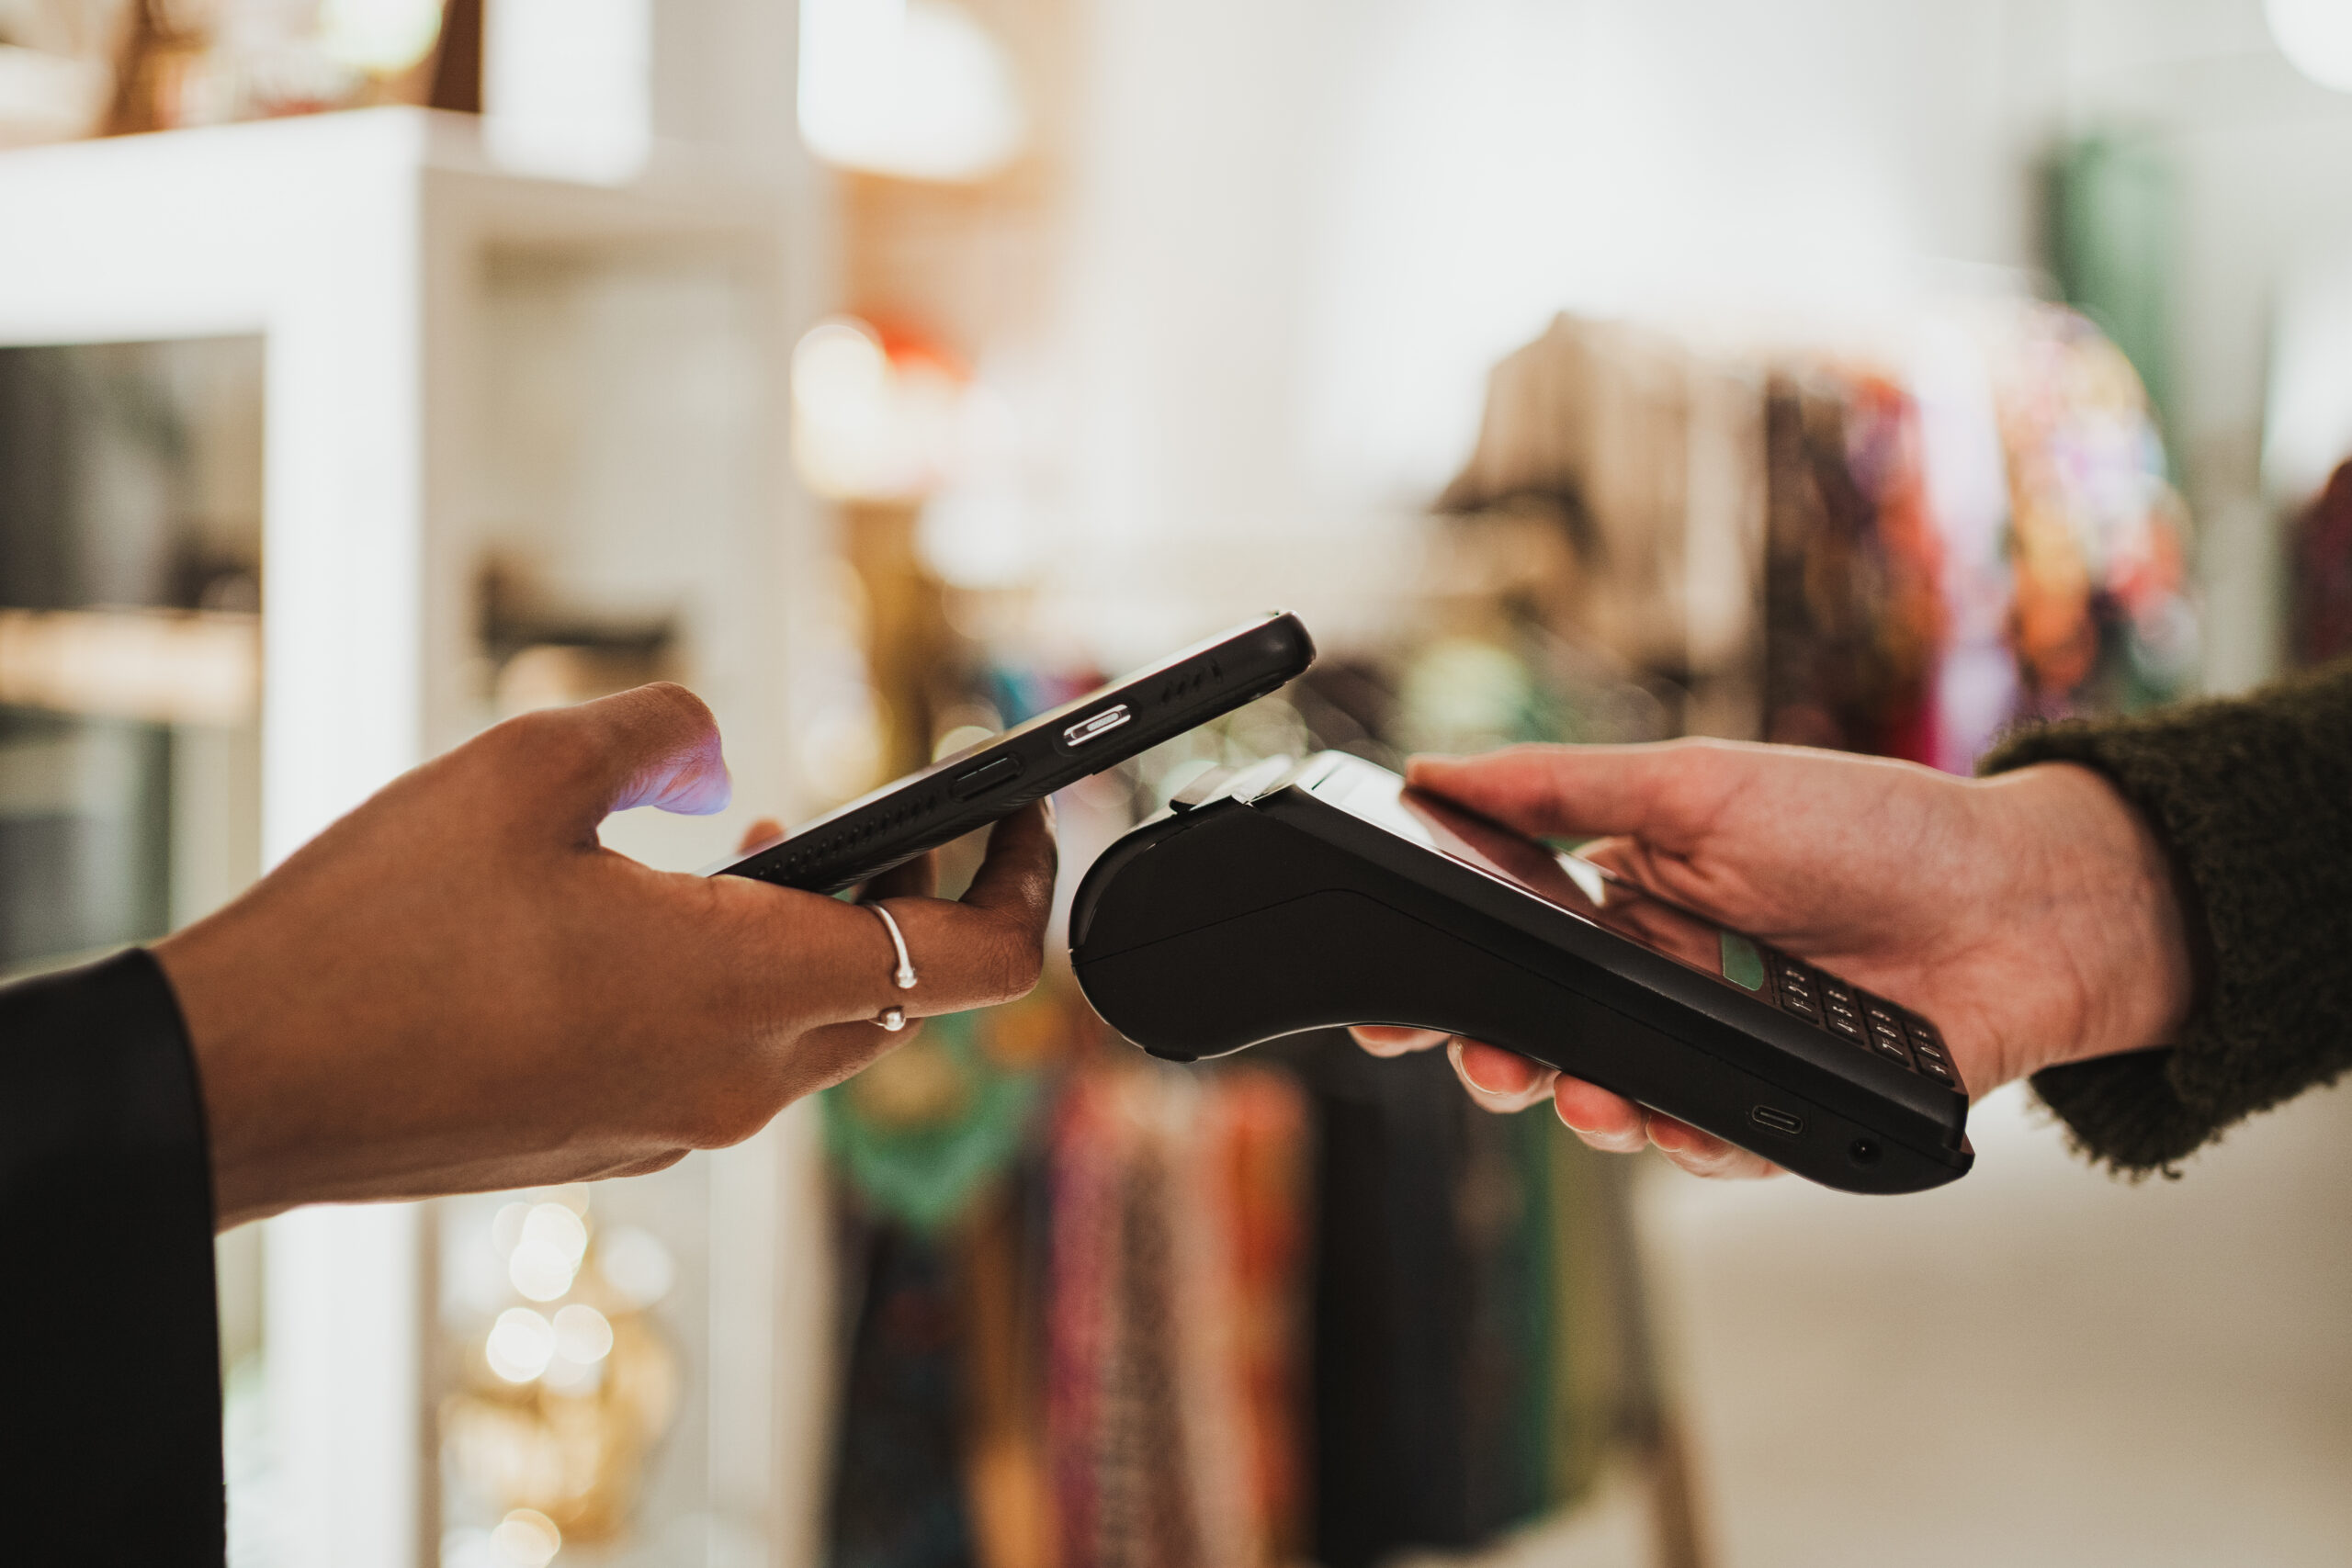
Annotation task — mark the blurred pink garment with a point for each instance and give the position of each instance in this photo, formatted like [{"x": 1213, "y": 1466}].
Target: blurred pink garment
[{"x": 1177, "y": 1245}]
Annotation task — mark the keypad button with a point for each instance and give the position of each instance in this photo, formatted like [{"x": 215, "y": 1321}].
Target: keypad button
[
  {"x": 1842, "y": 1009},
  {"x": 1938, "y": 1070},
  {"x": 1803, "y": 1006}
]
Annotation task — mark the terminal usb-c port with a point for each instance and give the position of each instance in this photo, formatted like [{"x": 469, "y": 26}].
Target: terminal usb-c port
[
  {"x": 1103, "y": 723},
  {"x": 1777, "y": 1121}
]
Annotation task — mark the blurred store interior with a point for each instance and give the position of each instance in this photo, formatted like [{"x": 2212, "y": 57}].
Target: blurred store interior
[{"x": 1862, "y": 375}]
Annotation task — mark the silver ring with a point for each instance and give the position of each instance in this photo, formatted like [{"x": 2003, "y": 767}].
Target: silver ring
[{"x": 894, "y": 1018}]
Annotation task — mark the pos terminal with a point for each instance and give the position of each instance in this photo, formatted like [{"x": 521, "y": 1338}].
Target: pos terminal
[{"x": 1297, "y": 896}]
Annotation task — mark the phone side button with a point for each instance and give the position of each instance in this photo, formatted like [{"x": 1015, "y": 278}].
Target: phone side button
[
  {"x": 1103, "y": 723},
  {"x": 987, "y": 776}
]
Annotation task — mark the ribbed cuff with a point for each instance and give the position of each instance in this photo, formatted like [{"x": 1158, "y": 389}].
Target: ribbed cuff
[{"x": 2253, "y": 799}]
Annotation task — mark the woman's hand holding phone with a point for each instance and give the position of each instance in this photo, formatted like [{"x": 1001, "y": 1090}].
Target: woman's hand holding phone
[
  {"x": 456, "y": 987},
  {"x": 2032, "y": 915}
]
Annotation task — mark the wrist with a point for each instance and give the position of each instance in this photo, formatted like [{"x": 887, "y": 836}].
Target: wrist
[
  {"x": 2114, "y": 913},
  {"x": 199, "y": 969}
]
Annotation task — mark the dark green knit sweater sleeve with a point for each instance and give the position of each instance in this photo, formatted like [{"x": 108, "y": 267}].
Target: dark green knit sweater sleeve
[{"x": 2253, "y": 797}]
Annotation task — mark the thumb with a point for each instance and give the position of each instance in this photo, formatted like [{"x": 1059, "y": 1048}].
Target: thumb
[
  {"x": 1644, "y": 792},
  {"x": 656, "y": 745}
]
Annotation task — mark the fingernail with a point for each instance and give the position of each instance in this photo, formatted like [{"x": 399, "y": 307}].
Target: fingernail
[
  {"x": 1462, "y": 1065},
  {"x": 1587, "y": 1133}
]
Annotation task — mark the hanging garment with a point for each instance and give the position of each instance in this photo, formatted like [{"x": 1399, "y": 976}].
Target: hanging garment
[
  {"x": 897, "y": 1497},
  {"x": 1850, "y": 608},
  {"x": 1966, "y": 484},
  {"x": 1259, "y": 1179},
  {"x": 1391, "y": 1472},
  {"x": 1898, "y": 554},
  {"x": 920, "y": 1134},
  {"x": 1007, "y": 1486},
  {"x": 2323, "y": 573},
  {"x": 1633, "y": 470},
  {"x": 1176, "y": 1259},
  {"x": 2101, "y": 620}
]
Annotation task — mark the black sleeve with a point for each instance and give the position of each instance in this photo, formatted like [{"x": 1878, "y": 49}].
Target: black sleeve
[
  {"x": 2253, "y": 798},
  {"x": 110, "y": 1441}
]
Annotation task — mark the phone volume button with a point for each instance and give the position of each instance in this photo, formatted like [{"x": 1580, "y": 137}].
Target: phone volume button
[{"x": 987, "y": 776}]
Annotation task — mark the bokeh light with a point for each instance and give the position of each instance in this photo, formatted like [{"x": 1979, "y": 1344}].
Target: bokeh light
[
  {"x": 582, "y": 1335},
  {"x": 2316, "y": 37},
  {"x": 506, "y": 1227},
  {"x": 910, "y": 88},
  {"x": 636, "y": 1264},
  {"x": 846, "y": 438},
  {"x": 528, "y": 1539},
  {"x": 380, "y": 37},
  {"x": 521, "y": 1344},
  {"x": 547, "y": 1252}
]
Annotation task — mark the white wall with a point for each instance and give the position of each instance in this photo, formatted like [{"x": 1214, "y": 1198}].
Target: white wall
[
  {"x": 1305, "y": 230},
  {"x": 1302, "y": 228}
]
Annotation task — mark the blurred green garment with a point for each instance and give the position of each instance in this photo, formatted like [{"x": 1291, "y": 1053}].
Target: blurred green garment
[{"x": 920, "y": 1131}]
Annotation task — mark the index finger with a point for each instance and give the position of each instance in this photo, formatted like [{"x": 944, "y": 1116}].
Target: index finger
[
  {"x": 1578, "y": 791},
  {"x": 985, "y": 948},
  {"x": 1015, "y": 881}
]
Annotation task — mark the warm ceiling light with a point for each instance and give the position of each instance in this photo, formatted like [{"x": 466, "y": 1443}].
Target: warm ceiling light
[
  {"x": 916, "y": 88},
  {"x": 382, "y": 37},
  {"x": 2316, "y": 37}
]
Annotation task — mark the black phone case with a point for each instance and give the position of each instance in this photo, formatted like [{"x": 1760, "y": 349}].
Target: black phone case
[
  {"x": 975, "y": 787},
  {"x": 1235, "y": 919}
]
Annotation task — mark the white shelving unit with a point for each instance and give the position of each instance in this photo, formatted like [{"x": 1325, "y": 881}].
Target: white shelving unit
[{"x": 401, "y": 282}]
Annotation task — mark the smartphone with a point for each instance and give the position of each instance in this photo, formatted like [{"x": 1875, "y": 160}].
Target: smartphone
[
  {"x": 997, "y": 777},
  {"x": 1304, "y": 895}
]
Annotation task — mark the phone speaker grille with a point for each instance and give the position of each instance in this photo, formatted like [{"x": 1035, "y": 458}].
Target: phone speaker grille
[
  {"x": 855, "y": 834},
  {"x": 1176, "y": 688}
]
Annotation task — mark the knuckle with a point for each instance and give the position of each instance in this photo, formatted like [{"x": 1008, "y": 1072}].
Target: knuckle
[
  {"x": 556, "y": 744},
  {"x": 1014, "y": 965}
]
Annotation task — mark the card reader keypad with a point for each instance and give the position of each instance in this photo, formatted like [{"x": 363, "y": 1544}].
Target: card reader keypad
[{"x": 1853, "y": 1014}]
